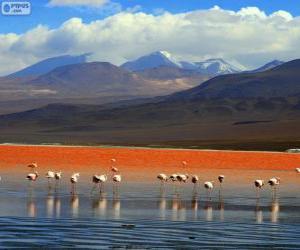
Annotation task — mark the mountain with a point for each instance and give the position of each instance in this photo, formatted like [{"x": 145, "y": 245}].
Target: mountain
[
  {"x": 188, "y": 65},
  {"x": 167, "y": 73},
  {"x": 267, "y": 66},
  {"x": 282, "y": 81},
  {"x": 242, "y": 111},
  {"x": 158, "y": 59},
  {"x": 95, "y": 79},
  {"x": 216, "y": 67},
  {"x": 153, "y": 60},
  {"x": 96, "y": 82},
  {"x": 49, "y": 64}
]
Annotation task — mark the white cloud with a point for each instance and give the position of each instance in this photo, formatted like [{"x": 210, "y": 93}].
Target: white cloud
[
  {"x": 248, "y": 36},
  {"x": 89, "y": 3}
]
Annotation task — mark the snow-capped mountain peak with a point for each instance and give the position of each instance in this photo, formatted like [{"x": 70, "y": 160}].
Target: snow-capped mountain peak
[
  {"x": 217, "y": 66},
  {"x": 165, "y": 53},
  {"x": 160, "y": 58},
  {"x": 152, "y": 60}
]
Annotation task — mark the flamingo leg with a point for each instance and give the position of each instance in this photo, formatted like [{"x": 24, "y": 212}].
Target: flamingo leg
[
  {"x": 101, "y": 187},
  {"x": 195, "y": 188},
  {"x": 56, "y": 185},
  {"x": 114, "y": 188},
  {"x": 93, "y": 188},
  {"x": 49, "y": 184},
  {"x": 257, "y": 193},
  {"x": 275, "y": 192}
]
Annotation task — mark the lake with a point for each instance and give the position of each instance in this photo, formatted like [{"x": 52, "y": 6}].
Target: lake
[{"x": 141, "y": 214}]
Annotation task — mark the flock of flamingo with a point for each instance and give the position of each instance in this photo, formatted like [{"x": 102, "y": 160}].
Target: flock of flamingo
[
  {"x": 100, "y": 180},
  {"x": 209, "y": 185}
]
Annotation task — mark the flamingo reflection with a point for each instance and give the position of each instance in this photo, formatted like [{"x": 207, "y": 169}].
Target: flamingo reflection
[
  {"x": 31, "y": 207},
  {"x": 99, "y": 205},
  {"x": 178, "y": 209},
  {"x": 74, "y": 202},
  {"x": 50, "y": 206},
  {"x": 162, "y": 204},
  {"x": 57, "y": 204},
  {"x": 221, "y": 207},
  {"x": 258, "y": 212},
  {"x": 208, "y": 211},
  {"x": 275, "y": 211},
  {"x": 194, "y": 204},
  {"x": 116, "y": 206}
]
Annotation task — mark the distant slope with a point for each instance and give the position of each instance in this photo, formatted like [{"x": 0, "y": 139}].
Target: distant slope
[
  {"x": 246, "y": 108},
  {"x": 282, "y": 81},
  {"x": 105, "y": 79},
  {"x": 267, "y": 66},
  {"x": 167, "y": 72},
  {"x": 49, "y": 64}
]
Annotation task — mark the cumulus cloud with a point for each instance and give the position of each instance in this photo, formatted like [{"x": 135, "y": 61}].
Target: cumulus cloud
[
  {"x": 89, "y": 3},
  {"x": 248, "y": 36}
]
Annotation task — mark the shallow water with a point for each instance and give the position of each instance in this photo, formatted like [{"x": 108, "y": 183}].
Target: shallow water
[{"x": 141, "y": 214}]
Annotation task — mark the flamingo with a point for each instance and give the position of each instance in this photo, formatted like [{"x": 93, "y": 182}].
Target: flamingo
[
  {"x": 274, "y": 182},
  {"x": 182, "y": 178},
  {"x": 258, "y": 184},
  {"x": 32, "y": 165},
  {"x": 298, "y": 170},
  {"x": 173, "y": 177},
  {"x": 209, "y": 185},
  {"x": 74, "y": 179},
  {"x": 113, "y": 168},
  {"x": 195, "y": 180},
  {"x": 58, "y": 176},
  {"x": 50, "y": 175},
  {"x": 163, "y": 179},
  {"x": 221, "y": 180},
  {"x": 99, "y": 180},
  {"x": 32, "y": 176},
  {"x": 117, "y": 178}
]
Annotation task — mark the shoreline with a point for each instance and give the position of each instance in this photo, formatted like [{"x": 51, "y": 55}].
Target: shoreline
[{"x": 141, "y": 147}]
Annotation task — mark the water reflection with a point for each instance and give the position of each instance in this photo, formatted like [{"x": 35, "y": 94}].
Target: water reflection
[
  {"x": 162, "y": 204},
  {"x": 31, "y": 207},
  {"x": 99, "y": 205},
  {"x": 275, "y": 211},
  {"x": 74, "y": 202},
  {"x": 221, "y": 209},
  {"x": 258, "y": 212},
  {"x": 194, "y": 204},
  {"x": 208, "y": 211},
  {"x": 116, "y": 207},
  {"x": 57, "y": 204},
  {"x": 178, "y": 208},
  {"x": 50, "y": 206}
]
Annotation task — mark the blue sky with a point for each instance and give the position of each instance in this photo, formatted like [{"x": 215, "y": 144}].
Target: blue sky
[{"x": 54, "y": 16}]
